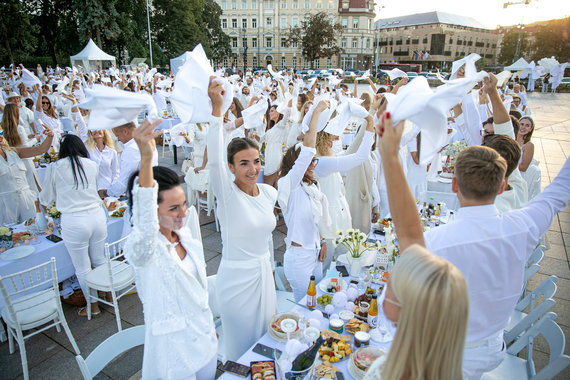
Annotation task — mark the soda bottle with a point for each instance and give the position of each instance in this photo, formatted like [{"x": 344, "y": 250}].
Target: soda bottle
[{"x": 312, "y": 294}]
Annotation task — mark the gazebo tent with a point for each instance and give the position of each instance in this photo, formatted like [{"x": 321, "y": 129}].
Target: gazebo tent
[
  {"x": 519, "y": 65},
  {"x": 91, "y": 57},
  {"x": 176, "y": 63}
]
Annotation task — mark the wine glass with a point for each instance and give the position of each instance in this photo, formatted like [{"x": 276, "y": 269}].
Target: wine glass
[
  {"x": 288, "y": 325},
  {"x": 382, "y": 332}
]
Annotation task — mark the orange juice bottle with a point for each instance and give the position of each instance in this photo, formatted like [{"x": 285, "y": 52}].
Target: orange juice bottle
[
  {"x": 312, "y": 294},
  {"x": 373, "y": 312}
]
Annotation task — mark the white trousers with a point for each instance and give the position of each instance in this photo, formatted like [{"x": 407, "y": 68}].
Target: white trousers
[
  {"x": 484, "y": 358},
  {"x": 84, "y": 235},
  {"x": 207, "y": 372},
  {"x": 299, "y": 264}
]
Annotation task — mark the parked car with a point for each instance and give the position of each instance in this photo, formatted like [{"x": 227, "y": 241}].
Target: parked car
[{"x": 411, "y": 75}]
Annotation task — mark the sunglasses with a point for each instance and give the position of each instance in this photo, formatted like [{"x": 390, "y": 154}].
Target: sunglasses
[
  {"x": 45, "y": 103},
  {"x": 315, "y": 161}
]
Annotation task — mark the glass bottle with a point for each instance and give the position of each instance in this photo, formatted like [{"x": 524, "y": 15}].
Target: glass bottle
[{"x": 312, "y": 294}]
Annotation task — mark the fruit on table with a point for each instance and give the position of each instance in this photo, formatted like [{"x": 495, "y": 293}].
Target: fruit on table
[{"x": 325, "y": 299}]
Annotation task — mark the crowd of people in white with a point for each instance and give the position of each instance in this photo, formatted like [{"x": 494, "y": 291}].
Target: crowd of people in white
[{"x": 293, "y": 132}]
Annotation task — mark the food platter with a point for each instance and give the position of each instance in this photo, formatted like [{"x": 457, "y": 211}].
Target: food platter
[
  {"x": 323, "y": 286},
  {"x": 277, "y": 333},
  {"x": 362, "y": 359},
  {"x": 334, "y": 350}
]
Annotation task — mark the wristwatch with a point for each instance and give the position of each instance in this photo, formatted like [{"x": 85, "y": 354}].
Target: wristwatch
[{"x": 323, "y": 241}]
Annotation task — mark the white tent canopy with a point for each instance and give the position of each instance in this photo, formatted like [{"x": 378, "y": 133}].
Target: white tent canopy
[
  {"x": 519, "y": 65},
  {"x": 91, "y": 57},
  {"x": 176, "y": 63}
]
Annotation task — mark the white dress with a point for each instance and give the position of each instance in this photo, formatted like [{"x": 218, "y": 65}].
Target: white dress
[
  {"x": 417, "y": 174},
  {"x": 54, "y": 124},
  {"x": 16, "y": 198},
  {"x": 244, "y": 287},
  {"x": 274, "y": 140},
  {"x": 199, "y": 181},
  {"x": 180, "y": 336}
]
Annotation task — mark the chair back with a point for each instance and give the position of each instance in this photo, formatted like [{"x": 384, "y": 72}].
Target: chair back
[
  {"x": 41, "y": 281},
  {"x": 111, "y": 348},
  {"x": 536, "y": 256},
  {"x": 115, "y": 253}
]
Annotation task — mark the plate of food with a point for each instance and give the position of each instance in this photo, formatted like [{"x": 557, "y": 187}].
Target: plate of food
[
  {"x": 355, "y": 325},
  {"x": 330, "y": 285},
  {"x": 325, "y": 370},
  {"x": 17, "y": 252},
  {"x": 362, "y": 359},
  {"x": 118, "y": 213},
  {"x": 277, "y": 333},
  {"x": 263, "y": 370},
  {"x": 334, "y": 350}
]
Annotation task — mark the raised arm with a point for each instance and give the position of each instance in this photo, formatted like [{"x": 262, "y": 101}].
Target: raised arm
[
  {"x": 32, "y": 151},
  {"x": 500, "y": 113},
  {"x": 372, "y": 86},
  {"x": 39, "y": 101},
  {"x": 401, "y": 83},
  {"x": 400, "y": 198}
]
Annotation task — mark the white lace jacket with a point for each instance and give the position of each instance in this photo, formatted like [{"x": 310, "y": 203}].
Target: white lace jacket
[{"x": 180, "y": 333}]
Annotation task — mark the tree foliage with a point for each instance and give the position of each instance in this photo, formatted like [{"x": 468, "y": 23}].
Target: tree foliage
[
  {"x": 317, "y": 37},
  {"x": 97, "y": 19},
  {"x": 552, "y": 39},
  {"x": 217, "y": 44},
  {"x": 16, "y": 32},
  {"x": 509, "y": 46}
]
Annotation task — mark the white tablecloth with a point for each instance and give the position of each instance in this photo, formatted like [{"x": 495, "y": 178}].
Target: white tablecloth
[
  {"x": 441, "y": 192},
  {"x": 168, "y": 123},
  {"x": 47, "y": 249}
]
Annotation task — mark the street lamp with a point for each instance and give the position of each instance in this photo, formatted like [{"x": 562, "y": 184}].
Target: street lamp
[
  {"x": 148, "y": 25},
  {"x": 244, "y": 42},
  {"x": 361, "y": 50},
  {"x": 517, "y": 50}
]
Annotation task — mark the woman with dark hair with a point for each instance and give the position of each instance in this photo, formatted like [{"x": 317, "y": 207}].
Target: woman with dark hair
[
  {"x": 165, "y": 249},
  {"x": 523, "y": 138},
  {"x": 71, "y": 182},
  {"x": 233, "y": 121},
  {"x": 45, "y": 112},
  {"x": 245, "y": 211}
]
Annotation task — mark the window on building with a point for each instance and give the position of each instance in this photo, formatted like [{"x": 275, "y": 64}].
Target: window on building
[
  {"x": 294, "y": 62},
  {"x": 234, "y": 4},
  {"x": 317, "y": 64},
  {"x": 294, "y": 21},
  {"x": 294, "y": 44},
  {"x": 283, "y": 4},
  {"x": 269, "y": 22},
  {"x": 234, "y": 42},
  {"x": 344, "y": 4},
  {"x": 235, "y": 62},
  {"x": 243, "y": 4},
  {"x": 369, "y": 24},
  {"x": 253, "y": 4},
  {"x": 283, "y": 42},
  {"x": 224, "y": 23},
  {"x": 283, "y": 21},
  {"x": 319, "y": 4},
  {"x": 355, "y": 23},
  {"x": 328, "y": 63},
  {"x": 269, "y": 4},
  {"x": 344, "y": 22},
  {"x": 331, "y": 4},
  {"x": 225, "y": 62},
  {"x": 368, "y": 43},
  {"x": 282, "y": 62},
  {"x": 254, "y": 42},
  {"x": 307, "y": 4},
  {"x": 354, "y": 43},
  {"x": 234, "y": 23},
  {"x": 254, "y": 61},
  {"x": 343, "y": 43},
  {"x": 295, "y": 4},
  {"x": 331, "y": 20},
  {"x": 224, "y": 4},
  {"x": 268, "y": 42},
  {"x": 254, "y": 23},
  {"x": 244, "y": 23}
]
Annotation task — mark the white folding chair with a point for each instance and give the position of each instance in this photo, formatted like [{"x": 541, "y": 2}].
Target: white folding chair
[
  {"x": 514, "y": 367},
  {"x": 532, "y": 176},
  {"x": 166, "y": 140},
  {"x": 532, "y": 266},
  {"x": 111, "y": 347},
  {"x": 207, "y": 204},
  {"x": 521, "y": 321},
  {"x": 115, "y": 276},
  {"x": 32, "y": 300}
]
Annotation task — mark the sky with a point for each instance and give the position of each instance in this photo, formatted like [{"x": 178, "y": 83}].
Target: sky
[{"x": 488, "y": 12}]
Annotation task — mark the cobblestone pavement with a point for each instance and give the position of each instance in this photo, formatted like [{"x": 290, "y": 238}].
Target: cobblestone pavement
[{"x": 50, "y": 355}]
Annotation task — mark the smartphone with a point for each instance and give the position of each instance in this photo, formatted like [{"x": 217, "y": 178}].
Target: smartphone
[
  {"x": 236, "y": 368},
  {"x": 263, "y": 350},
  {"x": 54, "y": 238},
  {"x": 342, "y": 270}
]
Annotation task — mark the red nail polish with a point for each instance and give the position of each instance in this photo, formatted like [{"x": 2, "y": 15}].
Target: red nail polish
[
  {"x": 382, "y": 129},
  {"x": 388, "y": 115}
]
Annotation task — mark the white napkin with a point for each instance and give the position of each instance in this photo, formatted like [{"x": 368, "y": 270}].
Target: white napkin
[
  {"x": 395, "y": 73},
  {"x": 30, "y": 79},
  {"x": 364, "y": 76},
  {"x": 111, "y": 107},
  {"x": 334, "y": 80},
  {"x": 276, "y": 76},
  {"x": 470, "y": 68},
  {"x": 503, "y": 78},
  {"x": 190, "y": 96},
  {"x": 253, "y": 115},
  {"x": 323, "y": 117},
  {"x": 61, "y": 86}
]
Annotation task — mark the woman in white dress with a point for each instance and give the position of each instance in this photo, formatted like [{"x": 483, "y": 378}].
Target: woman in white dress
[
  {"x": 198, "y": 177},
  {"x": 166, "y": 252},
  {"x": 417, "y": 172},
  {"x": 46, "y": 113},
  {"x": 294, "y": 134},
  {"x": 16, "y": 198},
  {"x": 244, "y": 287},
  {"x": 233, "y": 121}
]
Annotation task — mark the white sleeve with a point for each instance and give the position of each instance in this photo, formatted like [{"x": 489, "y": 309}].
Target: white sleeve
[
  {"x": 331, "y": 164},
  {"x": 129, "y": 165},
  {"x": 219, "y": 178}
]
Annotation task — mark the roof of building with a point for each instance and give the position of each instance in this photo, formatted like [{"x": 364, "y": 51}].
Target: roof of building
[{"x": 435, "y": 17}]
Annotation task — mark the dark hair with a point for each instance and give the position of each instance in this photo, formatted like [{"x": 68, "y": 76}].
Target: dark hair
[
  {"x": 271, "y": 123},
  {"x": 289, "y": 160},
  {"x": 71, "y": 146},
  {"x": 526, "y": 138},
  {"x": 516, "y": 113},
  {"x": 516, "y": 125},
  {"x": 489, "y": 121},
  {"x": 381, "y": 90},
  {"x": 165, "y": 178},
  {"x": 237, "y": 145},
  {"x": 508, "y": 148},
  {"x": 29, "y": 102}
]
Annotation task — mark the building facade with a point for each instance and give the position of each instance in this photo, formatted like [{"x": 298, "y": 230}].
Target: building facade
[
  {"x": 258, "y": 30},
  {"x": 434, "y": 39}
]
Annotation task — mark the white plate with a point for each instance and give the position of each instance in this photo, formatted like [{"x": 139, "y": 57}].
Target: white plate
[
  {"x": 444, "y": 180},
  {"x": 323, "y": 285},
  {"x": 17, "y": 252},
  {"x": 446, "y": 175}
]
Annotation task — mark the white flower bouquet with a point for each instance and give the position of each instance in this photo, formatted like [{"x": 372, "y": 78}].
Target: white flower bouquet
[
  {"x": 53, "y": 212},
  {"x": 355, "y": 242},
  {"x": 453, "y": 149}
]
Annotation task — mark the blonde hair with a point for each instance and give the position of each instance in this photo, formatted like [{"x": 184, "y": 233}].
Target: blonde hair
[
  {"x": 304, "y": 110},
  {"x": 480, "y": 172},
  {"x": 107, "y": 140},
  {"x": 367, "y": 101},
  {"x": 324, "y": 144},
  {"x": 432, "y": 324}
]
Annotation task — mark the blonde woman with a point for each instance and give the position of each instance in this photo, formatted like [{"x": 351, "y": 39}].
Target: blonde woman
[
  {"x": 428, "y": 343},
  {"x": 45, "y": 112}
]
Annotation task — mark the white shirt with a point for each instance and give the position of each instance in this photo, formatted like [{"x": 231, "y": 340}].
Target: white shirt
[
  {"x": 491, "y": 250},
  {"x": 130, "y": 162},
  {"x": 27, "y": 119},
  {"x": 59, "y": 186}
]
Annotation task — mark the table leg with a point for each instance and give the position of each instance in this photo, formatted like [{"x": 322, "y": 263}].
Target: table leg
[{"x": 175, "y": 155}]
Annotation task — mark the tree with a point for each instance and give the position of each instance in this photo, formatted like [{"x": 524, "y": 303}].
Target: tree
[
  {"x": 16, "y": 33},
  {"x": 509, "y": 46},
  {"x": 217, "y": 43},
  {"x": 97, "y": 19},
  {"x": 317, "y": 37},
  {"x": 553, "y": 39},
  {"x": 132, "y": 24}
]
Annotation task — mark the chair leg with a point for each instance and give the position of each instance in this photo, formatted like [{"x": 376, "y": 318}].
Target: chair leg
[
  {"x": 88, "y": 299},
  {"x": 57, "y": 328},
  {"x": 63, "y": 322},
  {"x": 11, "y": 341},
  {"x": 21, "y": 343},
  {"x": 117, "y": 313}
]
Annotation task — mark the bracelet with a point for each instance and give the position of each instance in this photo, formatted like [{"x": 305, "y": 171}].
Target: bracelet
[{"x": 323, "y": 241}]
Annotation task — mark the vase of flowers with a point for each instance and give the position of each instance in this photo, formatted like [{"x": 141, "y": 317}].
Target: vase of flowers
[
  {"x": 55, "y": 216},
  {"x": 391, "y": 247},
  {"x": 355, "y": 243},
  {"x": 6, "y": 238}
]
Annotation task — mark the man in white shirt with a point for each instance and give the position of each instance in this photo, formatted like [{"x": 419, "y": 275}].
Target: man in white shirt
[{"x": 130, "y": 160}]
